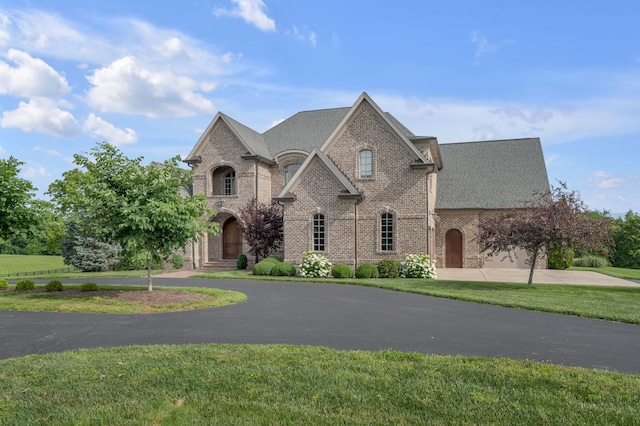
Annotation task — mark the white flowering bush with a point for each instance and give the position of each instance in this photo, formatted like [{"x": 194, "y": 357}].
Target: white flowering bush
[
  {"x": 314, "y": 265},
  {"x": 417, "y": 266}
]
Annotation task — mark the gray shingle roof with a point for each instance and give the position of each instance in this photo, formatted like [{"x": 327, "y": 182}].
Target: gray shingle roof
[
  {"x": 304, "y": 130},
  {"x": 490, "y": 174},
  {"x": 253, "y": 139}
]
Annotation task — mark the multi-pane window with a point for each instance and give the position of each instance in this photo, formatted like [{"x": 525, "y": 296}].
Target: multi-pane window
[
  {"x": 230, "y": 183},
  {"x": 289, "y": 171},
  {"x": 386, "y": 228},
  {"x": 318, "y": 232},
  {"x": 366, "y": 163}
]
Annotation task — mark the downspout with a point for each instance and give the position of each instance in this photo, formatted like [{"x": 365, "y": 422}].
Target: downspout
[
  {"x": 427, "y": 184},
  {"x": 256, "y": 195},
  {"x": 355, "y": 235}
]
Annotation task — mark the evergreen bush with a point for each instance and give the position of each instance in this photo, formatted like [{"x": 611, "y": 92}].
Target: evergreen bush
[
  {"x": 89, "y": 287},
  {"x": 54, "y": 285},
  {"x": 342, "y": 270},
  {"x": 283, "y": 269},
  {"x": 242, "y": 262},
  {"x": 3, "y": 284},
  {"x": 389, "y": 268},
  {"x": 177, "y": 261},
  {"x": 559, "y": 258},
  {"x": 367, "y": 270},
  {"x": 265, "y": 266},
  {"x": 25, "y": 285}
]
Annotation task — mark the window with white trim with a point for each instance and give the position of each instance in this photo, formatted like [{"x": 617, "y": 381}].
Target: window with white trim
[{"x": 366, "y": 164}]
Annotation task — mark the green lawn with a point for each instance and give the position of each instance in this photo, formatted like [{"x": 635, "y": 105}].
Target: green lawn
[
  {"x": 12, "y": 264},
  {"x": 623, "y": 273},
  {"x": 610, "y": 303},
  {"x": 89, "y": 302},
  {"x": 280, "y": 384}
]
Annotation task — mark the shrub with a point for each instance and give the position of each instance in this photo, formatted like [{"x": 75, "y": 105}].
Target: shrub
[
  {"x": 25, "y": 285},
  {"x": 314, "y": 265},
  {"x": 417, "y": 266},
  {"x": 389, "y": 268},
  {"x": 54, "y": 285},
  {"x": 342, "y": 271},
  {"x": 177, "y": 261},
  {"x": 559, "y": 258},
  {"x": 367, "y": 270},
  {"x": 3, "y": 284},
  {"x": 265, "y": 266},
  {"x": 283, "y": 269},
  {"x": 89, "y": 287},
  {"x": 591, "y": 261},
  {"x": 242, "y": 262}
]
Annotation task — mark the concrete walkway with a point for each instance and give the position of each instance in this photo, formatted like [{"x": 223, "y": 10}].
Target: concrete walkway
[{"x": 540, "y": 276}]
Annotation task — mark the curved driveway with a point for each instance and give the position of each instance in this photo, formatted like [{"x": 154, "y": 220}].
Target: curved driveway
[{"x": 337, "y": 316}]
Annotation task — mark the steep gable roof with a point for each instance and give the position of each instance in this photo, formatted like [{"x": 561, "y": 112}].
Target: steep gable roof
[
  {"x": 495, "y": 174},
  {"x": 252, "y": 141},
  {"x": 349, "y": 190},
  {"x": 399, "y": 129}
]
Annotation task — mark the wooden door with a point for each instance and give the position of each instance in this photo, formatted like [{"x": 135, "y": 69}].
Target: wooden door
[
  {"x": 453, "y": 249},
  {"x": 231, "y": 239}
]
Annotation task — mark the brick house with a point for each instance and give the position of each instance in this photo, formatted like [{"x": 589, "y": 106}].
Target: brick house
[{"x": 356, "y": 185}]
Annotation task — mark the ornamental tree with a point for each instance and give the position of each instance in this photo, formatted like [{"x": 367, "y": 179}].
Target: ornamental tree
[
  {"x": 626, "y": 235},
  {"x": 262, "y": 226},
  {"x": 141, "y": 208},
  {"x": 553, "y": 220}
]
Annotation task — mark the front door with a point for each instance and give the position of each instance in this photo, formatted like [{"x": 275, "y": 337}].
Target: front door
[
  {"x": 453, "y": 249},
  {"x": 231, "y": 239}
]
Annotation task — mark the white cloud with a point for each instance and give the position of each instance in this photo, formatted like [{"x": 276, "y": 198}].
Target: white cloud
[
  {"x": 482, "y": 44},
  {"x": 2, "y": 152},
  {"x": 128, "y": 86},
  {"x": 305, "y": 35},
  {"x": 604, "y": 180},
  {"x": 252, "y": 11},
  {"x": 51, "y": 152},
  {"x": 99, "y": 128},
  {"x": 31, "y": 78},
  {"x": 35, "y": 171},
  {"x": 41, "y": 115}
]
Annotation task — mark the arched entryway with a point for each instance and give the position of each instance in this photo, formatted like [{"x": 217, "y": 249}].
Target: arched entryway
[
  {"x": 453, "y": 249},
  {"x": 231, "y": 239}
]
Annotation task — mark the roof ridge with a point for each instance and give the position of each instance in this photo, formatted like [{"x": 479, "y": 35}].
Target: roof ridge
[{"x": 490, "y": 140}]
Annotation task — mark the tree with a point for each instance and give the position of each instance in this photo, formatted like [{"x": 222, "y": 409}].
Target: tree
[
  {"x": 262, "y": 226},
  {"x": 138, "y": 207},
  {"x": 554, "y": 220},
  {"x": 17, "y": 218},
  {"x": 86, "y": 253},
  {"x": 626, "y": 235}
]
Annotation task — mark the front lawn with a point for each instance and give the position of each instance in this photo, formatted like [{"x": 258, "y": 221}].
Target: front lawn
[
  {"x": 281, "y": 384},
  {"x": 609, "y": 303},
  {"x": 622, "y": 273}
]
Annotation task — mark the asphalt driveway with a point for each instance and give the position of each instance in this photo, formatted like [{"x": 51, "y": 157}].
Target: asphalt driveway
[{"x": 336, "y": 316}]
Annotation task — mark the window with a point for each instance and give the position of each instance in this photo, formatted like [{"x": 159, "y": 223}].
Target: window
[
  {"x": 289, "y": 171},
  {"x": 230, "y": 183},
  {"x": 366, "y": 163},
  {"x": 386, "y": 228},
  {"x": 318, "y": 232}
]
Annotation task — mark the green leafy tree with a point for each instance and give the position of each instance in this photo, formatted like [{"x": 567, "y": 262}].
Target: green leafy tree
[
  {"x": 17, "y": 217},
  {"x": 137, "y": 207},
  {"x": 554, "y": 220},
  {"x": 626, "y": 235}
]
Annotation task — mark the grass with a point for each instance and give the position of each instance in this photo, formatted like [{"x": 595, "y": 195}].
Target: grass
[
  {"x": 609, "y": 303},
  {"x": 13, "y": 264},
  {"x": 89, "y": 302},
  {"x": 623, "y": 273},
  {"x": 281, "y": 384}
]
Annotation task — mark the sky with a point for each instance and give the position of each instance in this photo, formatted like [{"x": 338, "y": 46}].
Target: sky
[{"x": 149, "y": 76}]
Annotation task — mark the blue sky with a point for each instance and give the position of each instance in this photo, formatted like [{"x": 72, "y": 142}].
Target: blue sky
[{"x": 149, "y": 76}]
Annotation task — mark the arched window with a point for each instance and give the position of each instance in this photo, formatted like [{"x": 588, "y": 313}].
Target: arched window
[
  {"x": 386, "y": 232},
  {"x": 289, "y": 171},
  {"x": 224, "y": 181},
  {"x": 366, "y": 163},
  {"x": 318, "y": 232}
]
